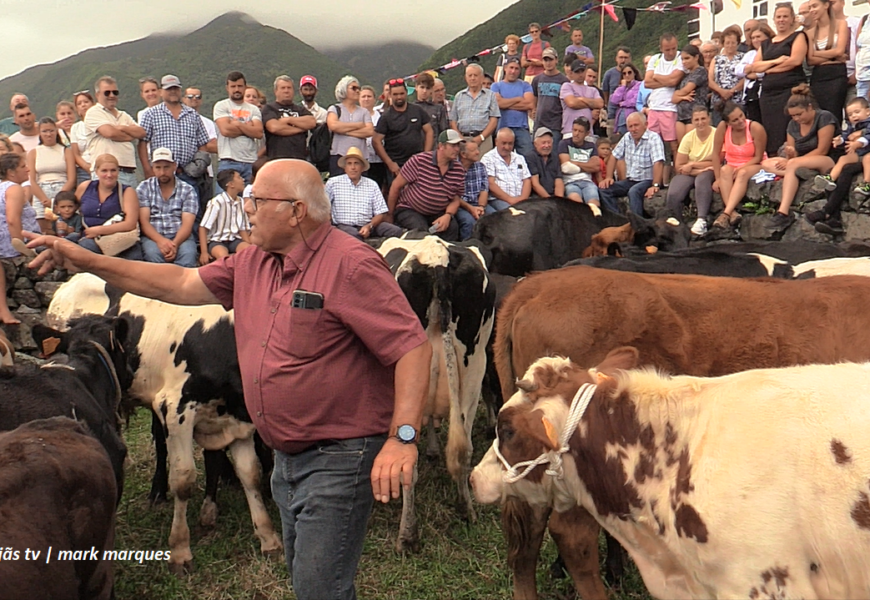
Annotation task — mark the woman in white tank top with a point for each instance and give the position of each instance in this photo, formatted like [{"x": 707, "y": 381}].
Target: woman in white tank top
[{"x": 52, "y": 170}]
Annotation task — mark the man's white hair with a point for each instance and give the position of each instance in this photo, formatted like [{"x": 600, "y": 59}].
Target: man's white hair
[{"x": 475, "y": 66}]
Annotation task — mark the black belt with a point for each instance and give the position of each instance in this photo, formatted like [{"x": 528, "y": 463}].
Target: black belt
[
  {"x": 127, "y": 169},
  {"x": 472, "y": 133}
]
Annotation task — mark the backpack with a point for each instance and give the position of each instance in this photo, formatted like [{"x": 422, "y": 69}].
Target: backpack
[{"x": 320, "y": 144}]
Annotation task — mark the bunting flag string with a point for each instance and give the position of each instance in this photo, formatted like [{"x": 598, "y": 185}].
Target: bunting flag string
[{"x": 565, "y": 24}]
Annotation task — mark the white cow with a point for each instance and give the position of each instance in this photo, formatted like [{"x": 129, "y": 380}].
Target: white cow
[
  {"x": 753, "y": 485},
  {"x": 186, "y": 370}
]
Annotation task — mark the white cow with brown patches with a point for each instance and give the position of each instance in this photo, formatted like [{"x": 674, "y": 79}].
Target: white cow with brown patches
[{"x": 753, "y": 485}]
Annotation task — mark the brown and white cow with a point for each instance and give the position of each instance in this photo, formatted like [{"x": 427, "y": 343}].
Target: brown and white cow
[
  {"x": 682, "y": 324},
  {"x": 752, "y": 485}
]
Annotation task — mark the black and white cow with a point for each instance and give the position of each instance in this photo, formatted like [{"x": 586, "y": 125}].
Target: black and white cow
[
  {"x": 696, "y": 261},
  {"x": 449, "y": 290},
  {"x": 186, "y": 370},
  {"x": 87, "y": 387},
  {"x": 545, "y": 233}
]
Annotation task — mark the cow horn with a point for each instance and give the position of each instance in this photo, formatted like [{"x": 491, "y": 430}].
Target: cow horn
[{"x": 526, "y": 385}]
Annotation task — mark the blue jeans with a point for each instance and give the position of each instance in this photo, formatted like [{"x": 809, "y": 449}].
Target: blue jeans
[
  {"x": 497, "y": 204},
  {"x": 626, "y": 187},
  {"x": 325, "y": 498},
  {"x": 185, "y": 256},
  {"x": 522, "y": 141},
  {"x": 587, "y": 190},
  {"x": 466, "y": 221},
  {"x": 862, "y": 88},
  {"x": 244, "y": 169}
]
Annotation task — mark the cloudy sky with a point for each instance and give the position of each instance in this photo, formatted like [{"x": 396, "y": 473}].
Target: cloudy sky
[{"x": 44, "y": 31}]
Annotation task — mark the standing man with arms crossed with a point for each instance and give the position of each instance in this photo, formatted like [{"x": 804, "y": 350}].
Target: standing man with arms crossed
[
  {"x": 515, "y": 101},
  {"x": 663, "y": 74},
  {"x": 287, "y": 124},
  {"x": 240, "y": 125},
  {"x": 316, "y": 313}
]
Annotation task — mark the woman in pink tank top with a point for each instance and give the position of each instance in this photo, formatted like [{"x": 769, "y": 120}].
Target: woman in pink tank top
[{"x": 741, "y": 143}]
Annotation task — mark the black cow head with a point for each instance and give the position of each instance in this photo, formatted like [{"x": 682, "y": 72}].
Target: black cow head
[{"x": 666, "y": 232}]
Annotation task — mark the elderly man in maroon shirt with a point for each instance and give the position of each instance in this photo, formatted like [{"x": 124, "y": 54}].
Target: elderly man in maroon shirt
[{"x": 334, "y": 363}]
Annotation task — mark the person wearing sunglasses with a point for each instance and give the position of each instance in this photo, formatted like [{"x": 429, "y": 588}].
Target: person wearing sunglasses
[
  {"x": 112, "y": 131},
  {"x": 240, "y": 127},
  {"x": 334, "y": 361},
  {"x": 349, "y": 122},
  {"x": 532, "y": 53},
  {"x": 623, "y": 101}
]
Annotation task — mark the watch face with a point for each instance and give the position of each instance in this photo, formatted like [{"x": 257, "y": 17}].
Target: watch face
[{"x": 406, "y": 433}]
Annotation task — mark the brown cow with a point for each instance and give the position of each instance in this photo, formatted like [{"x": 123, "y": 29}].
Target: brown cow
[
  {"x": 58, "y": 490},
  {"x": 682, "y": 324},
  {"x": 601, "y": 242}
]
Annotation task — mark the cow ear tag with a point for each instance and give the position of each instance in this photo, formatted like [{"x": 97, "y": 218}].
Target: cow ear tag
[
  {"x": 603, "y": 378},
  {"x": 49, "y": 346},
  {"x": 552, "y": 434}
]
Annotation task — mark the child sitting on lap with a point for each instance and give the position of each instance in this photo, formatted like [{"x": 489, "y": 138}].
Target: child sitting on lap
[
  {"x": 224, "y": 228},
  {"x": 69, "y": 222}
]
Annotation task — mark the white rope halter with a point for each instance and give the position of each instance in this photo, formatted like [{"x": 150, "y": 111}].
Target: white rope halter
[{"x": 552, "y": 457}]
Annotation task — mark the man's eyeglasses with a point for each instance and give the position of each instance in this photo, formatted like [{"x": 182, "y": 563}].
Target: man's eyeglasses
[
  {"x": 194, "y": 96},
  {"x": 257, "y": 202},
  {"x": 108, "y": 93}
]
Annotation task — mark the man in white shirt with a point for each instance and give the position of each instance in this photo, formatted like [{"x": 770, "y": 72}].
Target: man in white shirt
[
  {"x": 308, "y": 89},
  {"x": 510, "y": 180},
  {"x": 239, "y": 126},
  {"x": 663, "y": 74},
  {"x": 28, "y": 132},
  {"x": 112, "y": 131}
]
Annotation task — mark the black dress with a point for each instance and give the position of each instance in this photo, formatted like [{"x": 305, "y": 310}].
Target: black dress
[{"x": 775, "y": 91}]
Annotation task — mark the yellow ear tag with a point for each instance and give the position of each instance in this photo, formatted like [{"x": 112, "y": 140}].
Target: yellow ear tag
[
  {"x": 602, "y": 377},
  {"x": 552, "y": 434}
]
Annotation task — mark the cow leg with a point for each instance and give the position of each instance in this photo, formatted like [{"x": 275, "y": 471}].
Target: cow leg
[
  {"x": 433, "y": 448},
  {"x": 182, "y": 478},
  {"x": 576, "y": 535},
  {"x": 160, "y": 481},
  {"x": 614, "y": 564},
  {"x": 524, "y": 527},
  {"x": 409, "y": 536},
  {"x": 469, "y": 399},
  {"x": 248, "y": 469},
  {"x": 213, "y": 462}
]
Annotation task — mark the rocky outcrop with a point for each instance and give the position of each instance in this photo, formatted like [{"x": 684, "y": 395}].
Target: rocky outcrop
[{"x": 28, "y": 296}]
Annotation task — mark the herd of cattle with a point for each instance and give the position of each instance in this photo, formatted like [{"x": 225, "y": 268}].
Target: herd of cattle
[{"x": 672, "y": 396}]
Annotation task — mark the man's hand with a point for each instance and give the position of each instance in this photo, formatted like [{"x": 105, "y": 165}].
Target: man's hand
[
  {"x": 605, "y": 183},
  {"x": 477, "y": 212},
  {"x": 393, "y": 468},
  {"x": 204, "y": 258},
  {"x": 365, "y": 231},
  {"x": 60, "y": 254},
  {"x": 393, "y": 167},
  {"x": 650, "y": 191},
  {"x": 166, "y": 247},
  {"x": 442, "y": 223}
]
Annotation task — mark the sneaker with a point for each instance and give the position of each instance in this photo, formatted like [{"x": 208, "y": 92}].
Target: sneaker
[
  {"x": 863, "y": 190},
  {"x": 723, "y": 221},
  {"x": 832, "y": 226},
  {"x": 824, "y": 182},
  {"x": 779, "y": 221},
  {"x": 700, "y": 227},
  {"x": 816, "y": 216}
]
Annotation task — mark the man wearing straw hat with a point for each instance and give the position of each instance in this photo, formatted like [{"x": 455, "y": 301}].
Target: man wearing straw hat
[{"x": 358, "y": 206}]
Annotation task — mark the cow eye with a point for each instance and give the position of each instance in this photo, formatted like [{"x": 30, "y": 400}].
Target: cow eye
[{"x": 506, "y": 434}]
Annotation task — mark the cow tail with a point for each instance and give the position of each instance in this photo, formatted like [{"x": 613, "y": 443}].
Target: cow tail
[
  {"x": 458, "y": 446},
  {"x": 502, "y": 347}
]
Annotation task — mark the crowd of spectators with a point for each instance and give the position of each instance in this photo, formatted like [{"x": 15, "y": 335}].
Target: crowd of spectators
[{"x": 706, "y": 116}]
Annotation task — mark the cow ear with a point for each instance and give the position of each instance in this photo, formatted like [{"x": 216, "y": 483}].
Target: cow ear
[
  {"x": 121, "y": 329},
  {"x": 552, "y": 434},
  {"x": 623, "y": 358},
  {"x": 50, "y": 341},
  {"x": 527, "y": 386}
]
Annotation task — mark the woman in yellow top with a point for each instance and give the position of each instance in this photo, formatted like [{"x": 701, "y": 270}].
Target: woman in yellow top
[{"x": 694, "y": 167}]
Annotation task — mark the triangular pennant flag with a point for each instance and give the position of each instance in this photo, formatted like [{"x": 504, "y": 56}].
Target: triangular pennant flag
[
  {"x": 630, "y": 15},
  {"x": 699, "y": 6},
  {"x": 611, "y": 13},
  {"x": 546, "y": 33},
  {"x": 566, "y": 26}
]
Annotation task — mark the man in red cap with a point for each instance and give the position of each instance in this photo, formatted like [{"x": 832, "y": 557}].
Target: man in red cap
[{"x": 308, "y": 87}]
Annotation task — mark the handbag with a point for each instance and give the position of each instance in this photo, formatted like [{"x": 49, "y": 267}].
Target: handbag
[{"x": 114, "y": 244}]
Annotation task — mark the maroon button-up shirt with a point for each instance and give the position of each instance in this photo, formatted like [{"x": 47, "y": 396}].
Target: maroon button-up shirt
[{"x": 316, "y": 374}]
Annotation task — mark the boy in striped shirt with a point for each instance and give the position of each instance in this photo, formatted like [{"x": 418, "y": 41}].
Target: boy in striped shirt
[{"x": 224, "y": 228}]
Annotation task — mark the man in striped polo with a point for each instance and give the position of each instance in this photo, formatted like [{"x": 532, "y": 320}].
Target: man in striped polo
[{"x": 425, "y": 195}]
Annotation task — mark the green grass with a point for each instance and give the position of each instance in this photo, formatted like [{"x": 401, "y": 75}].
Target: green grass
[{"x": 457, "y": 560}]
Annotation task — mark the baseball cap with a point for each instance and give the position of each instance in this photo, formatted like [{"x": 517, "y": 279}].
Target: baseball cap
[
  {"x": 549, "y": 53},
  {"x": 162, "y": 154},
  {"x": 543, "y": 131},
  {"x": 170, "y": 81},
  {"x": 577, "y": 66},
  {"x": 512, "y": 59},
  {"x": 308, "y": 79},
  {"x": 449, "y": 136}
]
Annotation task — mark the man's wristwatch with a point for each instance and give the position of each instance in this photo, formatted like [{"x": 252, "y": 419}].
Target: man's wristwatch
[
  {"x": 481, "y": 138},
  {"x": 656, "y": 185},
  {"x": 406, "y": 434}
]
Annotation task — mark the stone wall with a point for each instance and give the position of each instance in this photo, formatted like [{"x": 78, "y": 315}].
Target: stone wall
[
  {"x": 28, "y": 296},
  {"x": 855, "y": 213}
]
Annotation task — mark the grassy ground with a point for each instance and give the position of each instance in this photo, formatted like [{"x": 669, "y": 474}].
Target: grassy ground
[{"x": 457, "y": 560}]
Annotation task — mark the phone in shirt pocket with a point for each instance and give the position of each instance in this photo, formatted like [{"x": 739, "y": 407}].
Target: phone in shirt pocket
[
  {"x": 306, "y": 335},
  {"x": 307, "y": 300}
]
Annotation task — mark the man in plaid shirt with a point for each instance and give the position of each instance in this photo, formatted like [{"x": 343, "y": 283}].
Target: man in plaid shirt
[
  {"x": 639, "y": 160},
  {"x": 167, "y": 209},
  {"x": 174, "y": 126},
  {"x": 474, "y": 202},
  {"x": 358, "y": 206}
]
